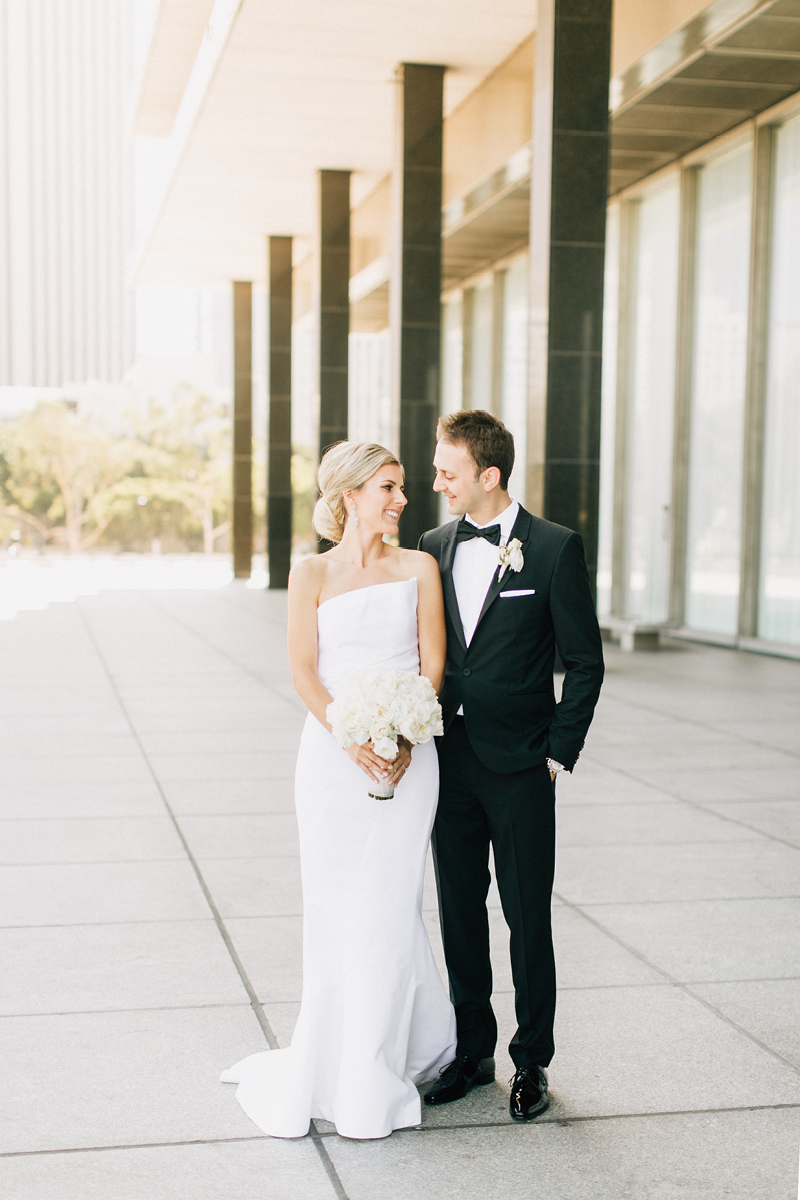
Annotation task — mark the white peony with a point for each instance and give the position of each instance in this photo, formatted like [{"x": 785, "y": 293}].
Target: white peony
[
  {"x": 383, "y": 704},
  {"x": 386, "y": 747}
]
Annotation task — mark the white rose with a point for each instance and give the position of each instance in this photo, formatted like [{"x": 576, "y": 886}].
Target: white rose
[{"x": 385, "y": 747}]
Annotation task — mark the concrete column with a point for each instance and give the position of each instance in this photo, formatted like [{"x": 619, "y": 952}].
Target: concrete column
[
  {"x": 569, "y": 186},
  {"x": 415, "y": 290},
  {"x": 242, "y": 429},
  {"x": 279, "y": 448},
  {"x": 334, "y": 305}
]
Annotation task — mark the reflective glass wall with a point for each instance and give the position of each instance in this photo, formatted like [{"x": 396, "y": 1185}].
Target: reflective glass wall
[
  {"x": 478, "y": 339},
  {"x": 700, "y": 513},
  {"x": 514, "y": 378},
  {"x": 651, "y": 400},
  {"x": 608, "y": 416},
  {"x": 485, "y": 353},
  {"x": 779, "y": 593},
  {"x": 717, "y": 396},
  {"x": 452, "y": 352}
]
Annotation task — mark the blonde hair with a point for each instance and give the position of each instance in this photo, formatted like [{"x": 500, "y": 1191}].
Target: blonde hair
[{"x": 345, "y": 467}]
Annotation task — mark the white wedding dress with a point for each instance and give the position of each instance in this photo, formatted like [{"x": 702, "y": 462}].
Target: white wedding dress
[{"x": 375, "y": 1018}]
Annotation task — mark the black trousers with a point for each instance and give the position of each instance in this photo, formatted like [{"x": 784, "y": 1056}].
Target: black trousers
[{"x": 516, "y": 813}]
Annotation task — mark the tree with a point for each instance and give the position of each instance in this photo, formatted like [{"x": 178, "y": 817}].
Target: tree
[
  {"x": 62, "y": 475},
  {"x": 189, "y": 460},
  {"x": 66, "y": 478}
]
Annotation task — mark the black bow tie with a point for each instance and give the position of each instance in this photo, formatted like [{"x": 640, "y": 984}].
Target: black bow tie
[{"x": 466, "y": 531}]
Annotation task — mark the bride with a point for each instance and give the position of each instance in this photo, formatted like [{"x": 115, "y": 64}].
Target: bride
[{"x": 375, "y": 1019}]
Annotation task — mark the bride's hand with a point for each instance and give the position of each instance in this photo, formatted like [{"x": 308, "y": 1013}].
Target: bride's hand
[
  {"x": 373, "y": 766},
  {"x": 401, "y": 762}
]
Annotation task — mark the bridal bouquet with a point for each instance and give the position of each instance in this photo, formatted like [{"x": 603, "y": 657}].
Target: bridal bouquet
[{"x": 381, "y": 705}]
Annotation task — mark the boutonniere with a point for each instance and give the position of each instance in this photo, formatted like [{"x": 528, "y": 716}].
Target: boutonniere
[{"x": 511, "y": 556}]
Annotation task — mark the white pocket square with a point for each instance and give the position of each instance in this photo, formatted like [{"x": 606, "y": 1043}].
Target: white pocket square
[{"x": 521, "y": 592}]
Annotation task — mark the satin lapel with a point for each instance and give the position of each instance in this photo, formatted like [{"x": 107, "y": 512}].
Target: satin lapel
[
  {"x": 521, "y": 530},
  {"x": 448, "y": 587}
]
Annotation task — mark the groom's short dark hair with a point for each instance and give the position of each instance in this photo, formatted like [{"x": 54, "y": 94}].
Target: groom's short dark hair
[{"x": 486, "y": 439}]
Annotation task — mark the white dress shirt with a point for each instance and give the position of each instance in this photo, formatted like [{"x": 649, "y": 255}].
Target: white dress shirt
[
  {"x": 473, "y": 571},
  {"x": 474, "y": 566}
]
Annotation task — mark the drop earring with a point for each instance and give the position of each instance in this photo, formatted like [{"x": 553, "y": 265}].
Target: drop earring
[{"x": 353, "y": 517}]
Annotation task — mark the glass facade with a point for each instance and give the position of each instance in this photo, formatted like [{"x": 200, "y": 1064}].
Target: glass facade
[
  {"x": 608, "y": 426},
  {"x": 452, "y": 352},
  {"x": 651, "y": 402},
  {"x": 680, "y": 389},
  {"x": 474, "y": 331},
  {"x": 717, "y": 397},
  {"x": 514, "y": 402},
  {"x": 369, "y": 391},
  {"x": 479, "y": 359},
  {"x": 779, "y": 593}
]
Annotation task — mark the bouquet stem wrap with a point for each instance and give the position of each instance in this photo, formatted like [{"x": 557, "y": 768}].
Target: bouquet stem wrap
[{"x": 381, "y": 705}]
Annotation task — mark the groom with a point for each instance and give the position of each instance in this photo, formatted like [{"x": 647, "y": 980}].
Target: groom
[{"x": 515, "y": 588}]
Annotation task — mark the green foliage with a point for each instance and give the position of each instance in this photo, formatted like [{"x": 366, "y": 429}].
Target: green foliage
[{"x": 66, "y": 479}]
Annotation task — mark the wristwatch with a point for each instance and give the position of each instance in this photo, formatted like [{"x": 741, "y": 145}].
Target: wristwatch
[{"x": 554, "y": 766}]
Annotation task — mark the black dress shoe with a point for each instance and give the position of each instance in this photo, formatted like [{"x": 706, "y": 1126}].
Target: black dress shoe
[
  {"x": 460, "y": 1077},
  {"x": 529, "y": 1096}
]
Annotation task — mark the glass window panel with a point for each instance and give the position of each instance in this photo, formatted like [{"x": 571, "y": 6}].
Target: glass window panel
[
  {"x": 452, "y": 373},
  {"x": 651, "y": 403},
  {"x": 452, "y": 352},
  {"x": 369, "y": 389},
  {"x": 480, "y": 347},
  {"x": 719, "y": 362},
  {"x": 515, "y": 367},
  {"x": 779, "y": 600},
  {"x": 608, "y": 417}
]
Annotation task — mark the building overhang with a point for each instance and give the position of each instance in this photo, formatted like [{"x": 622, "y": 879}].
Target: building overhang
[
  {"x": 732, "y": 61},
  {"x": 180, "y": 27},
  {"x": 489, "y": 223},
  {"x": 278, "y": 91}
]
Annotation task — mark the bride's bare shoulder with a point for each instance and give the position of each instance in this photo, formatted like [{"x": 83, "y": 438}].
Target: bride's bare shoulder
[
  {"x": 308, "y": 575},
  {"x": 417, "y": 562}
]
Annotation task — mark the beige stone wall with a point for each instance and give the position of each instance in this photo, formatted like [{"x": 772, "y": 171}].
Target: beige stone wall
[
  {"x": 370, "y": 231},
  {"x": 640, "y": 24},
  {"x": 490, "y": 125}
]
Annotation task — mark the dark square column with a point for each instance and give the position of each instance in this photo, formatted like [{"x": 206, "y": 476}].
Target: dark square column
[
  {"x": 334, "y": 305},
  {"x": 569, "y": 189},
  {"x": 417, "y": 284},
  {"x": 279, "y": 436},
  {"x": 242, "y": 429}
]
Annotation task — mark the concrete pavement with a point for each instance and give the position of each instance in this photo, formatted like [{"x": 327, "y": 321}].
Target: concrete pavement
[{"x": 150, "y": 908}]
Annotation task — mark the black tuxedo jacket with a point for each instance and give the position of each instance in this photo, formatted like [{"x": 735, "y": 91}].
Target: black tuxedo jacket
[{"x": 504, "y": 678}]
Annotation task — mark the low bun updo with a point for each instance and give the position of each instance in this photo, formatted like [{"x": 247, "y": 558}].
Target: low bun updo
[{"x": 345, "y": 467}]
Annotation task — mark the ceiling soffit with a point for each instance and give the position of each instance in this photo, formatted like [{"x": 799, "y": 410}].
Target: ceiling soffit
[
  {"x": 295, "y": 87},
  {"x": 180, "y": 26},
  {"x": 729, "y": 63},
  {"x": 489, "y": 223}
]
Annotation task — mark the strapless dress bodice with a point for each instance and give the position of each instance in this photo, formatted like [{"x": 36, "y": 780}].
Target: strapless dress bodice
[{"x": 374, "y": 626}]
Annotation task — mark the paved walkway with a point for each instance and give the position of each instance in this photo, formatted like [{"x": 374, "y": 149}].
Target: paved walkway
[{"x": 150, "y": 907}]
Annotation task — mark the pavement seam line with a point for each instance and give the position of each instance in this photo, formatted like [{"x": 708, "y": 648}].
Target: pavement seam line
[
  {"x": 553, "y": 1119},
  {"x": 684, "y": 987},
  {"x": 702, "y": 724},
  {"x": 415, "y": 1129},
  {"x": 255, "y": 1003},
  {"x": 698, "y": 805},
  {"x": 224, "y": 654}
]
